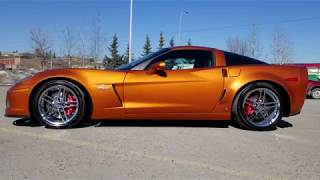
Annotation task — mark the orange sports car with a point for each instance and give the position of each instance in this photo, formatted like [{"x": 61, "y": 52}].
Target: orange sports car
[{"x": 185, "y": 83}]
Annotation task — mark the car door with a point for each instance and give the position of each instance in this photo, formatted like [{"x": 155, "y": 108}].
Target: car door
[{"x": 190, "y": 84}]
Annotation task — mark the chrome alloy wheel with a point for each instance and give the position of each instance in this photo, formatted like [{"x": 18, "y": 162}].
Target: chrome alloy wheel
[
  {"x": 261, "y": 107},
  {"x": 58, "y": 105}
]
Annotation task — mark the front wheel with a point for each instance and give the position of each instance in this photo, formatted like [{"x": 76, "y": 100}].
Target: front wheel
[
  {"x": 258, "y": 107},
  {"x": 58, "y": 104}
]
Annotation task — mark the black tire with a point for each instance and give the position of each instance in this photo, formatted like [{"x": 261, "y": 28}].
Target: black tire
[
  {"x": 239, "y": 116},
  {"x": 315, "y": 93},
  {"x": 78, "y": 116}
]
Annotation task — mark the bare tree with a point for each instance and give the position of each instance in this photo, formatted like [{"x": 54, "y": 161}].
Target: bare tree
[
  {"x": 282, "y": 50},
  {"x": 249, "y": 46},
  {"x": 236, "y": 45},
  {"x": 40, "y": 45},
  {"x": 253, "y": 42},
  {"x": 69, "y": 43},
  {"x": 82, "y": 48},
  {"x": 97, "y": 39}
]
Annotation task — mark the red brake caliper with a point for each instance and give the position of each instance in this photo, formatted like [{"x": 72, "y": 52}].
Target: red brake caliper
[
  {"x": 70, "y": 110},
  {"x": 248, "y": 108}
]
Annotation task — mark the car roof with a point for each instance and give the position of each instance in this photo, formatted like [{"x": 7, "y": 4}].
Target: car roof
[{"x": 191, "y": 47}]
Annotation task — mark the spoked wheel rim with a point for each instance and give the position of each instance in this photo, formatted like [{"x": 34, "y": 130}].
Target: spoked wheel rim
[
  {"x": 261, "y": 107},
  {"x": 58, "y": 105},
  {"x": 316, "y": 93}
]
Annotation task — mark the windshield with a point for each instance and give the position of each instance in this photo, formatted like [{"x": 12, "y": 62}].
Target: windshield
[{"x": 141, "y": 60}]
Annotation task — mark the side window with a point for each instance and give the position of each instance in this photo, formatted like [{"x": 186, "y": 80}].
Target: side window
[
  {"x": 186, "y": 59},
  {"x": 236, "y": 59},
  {"x": 179, "y": 63}
]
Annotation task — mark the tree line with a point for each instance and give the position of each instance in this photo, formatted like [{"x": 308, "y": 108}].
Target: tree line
[
  {"x": 112, "y": 59},
  {"x": 281, "y": 46},
  {"x": 115, "y": 59},
  {"x": 89, "y": 51}
]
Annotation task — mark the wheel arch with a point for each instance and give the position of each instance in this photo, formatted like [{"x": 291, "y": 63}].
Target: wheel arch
[
  {"x": 314, "y": 87},
  {"x": 281, "y": 90},
  {"x": 81, "y": 86}
]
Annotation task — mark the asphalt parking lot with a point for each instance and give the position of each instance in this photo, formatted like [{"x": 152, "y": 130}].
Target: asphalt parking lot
[{"x": 162, "y": 150}]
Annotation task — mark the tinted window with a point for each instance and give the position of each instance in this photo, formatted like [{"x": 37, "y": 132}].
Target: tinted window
[
  {"x": 186, "y": 59},
  {"x": 235, "y": 59},
  {"x": 141, "y": 60}
]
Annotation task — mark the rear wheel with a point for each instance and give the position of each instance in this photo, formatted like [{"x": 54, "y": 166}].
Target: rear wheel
[
  {"x": 58, "y": 104},
  {"x": 315, "y": 93},
  {"x": 258, "y": 107}
]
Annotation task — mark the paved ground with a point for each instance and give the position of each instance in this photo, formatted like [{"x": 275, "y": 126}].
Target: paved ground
[{"x": 163, "y": 150}]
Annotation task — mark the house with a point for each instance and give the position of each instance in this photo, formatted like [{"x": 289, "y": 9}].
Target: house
[{"x": 9, "y": 62}]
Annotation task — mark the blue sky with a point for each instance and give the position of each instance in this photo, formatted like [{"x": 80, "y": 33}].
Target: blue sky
[{"x": 209, "y": 22}]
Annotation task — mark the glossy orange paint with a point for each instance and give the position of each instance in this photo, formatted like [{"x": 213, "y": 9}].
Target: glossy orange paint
[{"x": 204, "y": 94}]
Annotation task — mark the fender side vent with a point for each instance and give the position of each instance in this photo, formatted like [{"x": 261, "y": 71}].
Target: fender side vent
[
  {"x": 223, "y": 94},
  {"x": 114, "y": 88}
]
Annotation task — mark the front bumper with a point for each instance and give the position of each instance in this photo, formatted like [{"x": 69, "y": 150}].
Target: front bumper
[{"x": 17, "y": 101}]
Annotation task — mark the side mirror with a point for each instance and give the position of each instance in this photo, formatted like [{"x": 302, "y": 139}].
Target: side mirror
[{"x": 158, "y": 67}]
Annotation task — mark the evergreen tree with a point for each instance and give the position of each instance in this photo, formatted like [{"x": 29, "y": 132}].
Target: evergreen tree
[
  {"x": 49, "y": 54},
  {"x": 189, "y": 42},
  {"x": 171, "y": 42},
  {"x": 115, "y": 59},
  {"x": 126, "y": 55},
  {"x": 147, "y": 46},
  {"x": 161, "y": 41}
]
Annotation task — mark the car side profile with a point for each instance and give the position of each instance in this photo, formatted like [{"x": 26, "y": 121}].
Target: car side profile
[{"x": 178, "y": 83}]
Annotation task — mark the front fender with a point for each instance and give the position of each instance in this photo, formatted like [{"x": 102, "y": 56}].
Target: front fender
[{"x": 105, "y": 89}]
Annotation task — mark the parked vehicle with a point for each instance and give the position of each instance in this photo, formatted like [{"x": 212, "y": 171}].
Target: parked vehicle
[
  {"x": 314, "y": 79},
  {"x": 186, "y": 83},
  {"x": 313, "y": 70},
  {"x": 313, "y": 89}
]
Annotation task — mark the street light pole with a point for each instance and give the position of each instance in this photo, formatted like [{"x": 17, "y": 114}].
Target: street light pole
[
  {"x": 180, "y": 24},
  {"x": 130, "y": 32}
]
